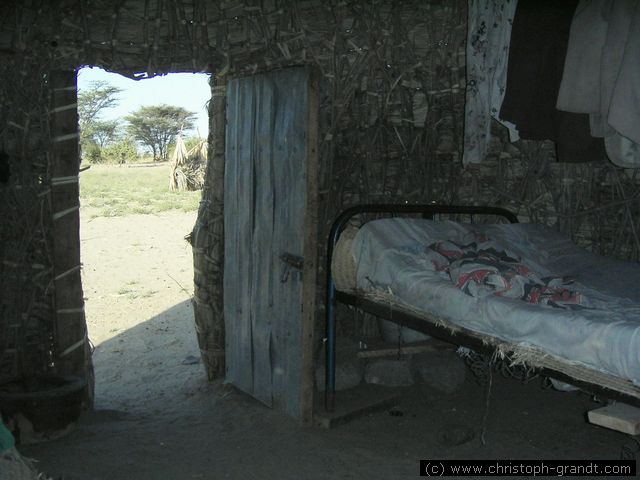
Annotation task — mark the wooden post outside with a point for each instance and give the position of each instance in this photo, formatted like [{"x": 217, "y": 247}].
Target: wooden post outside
[
  {"x": 207, "y": 240},
  {"x": 72, "y": 354}
]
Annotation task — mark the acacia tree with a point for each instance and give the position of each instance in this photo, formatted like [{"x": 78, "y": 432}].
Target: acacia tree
[
  {"x": 93, "y": 100},
  {"x": 156, "y": 126},
  {"x": 104, "y": 132},
  {"x": 94, "y": 133}
]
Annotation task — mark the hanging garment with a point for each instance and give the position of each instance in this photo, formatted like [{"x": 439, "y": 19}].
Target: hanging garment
[
  {"x": 580, "y": 86},
  {"x": 601, "y": 75},
  {"x": 536, "y": 60},
  {"x": 489, "y": 31},
  {"x": 624, "y": 112}
]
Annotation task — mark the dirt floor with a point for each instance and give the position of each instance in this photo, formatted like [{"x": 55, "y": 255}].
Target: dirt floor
[
  {"x": 157, "y": 417},
  {"x": 138, "y": 280}
]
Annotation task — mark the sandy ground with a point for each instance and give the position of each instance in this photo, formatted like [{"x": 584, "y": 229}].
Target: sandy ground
[
  {"x": 157, "y": 417},
  {"x": 138, "y": 279}
]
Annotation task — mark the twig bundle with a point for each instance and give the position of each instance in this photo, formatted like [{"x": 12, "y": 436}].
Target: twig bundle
[{"x": 187, "y": 168}]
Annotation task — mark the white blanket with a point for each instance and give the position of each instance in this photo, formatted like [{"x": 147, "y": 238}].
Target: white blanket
[{"x": 391, "y": 256}]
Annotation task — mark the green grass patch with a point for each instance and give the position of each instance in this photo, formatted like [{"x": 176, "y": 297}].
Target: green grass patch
[
  {"x": 132, "y": 293},
  {"x": 125, "y": 291},
  {"x": 114, "y": 190}
]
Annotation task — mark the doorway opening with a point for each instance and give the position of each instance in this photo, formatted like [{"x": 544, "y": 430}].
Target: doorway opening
[{"x": 143, "y": 145}]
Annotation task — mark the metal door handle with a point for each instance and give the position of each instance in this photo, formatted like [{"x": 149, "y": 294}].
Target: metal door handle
[{"x": 291, "y": 261}]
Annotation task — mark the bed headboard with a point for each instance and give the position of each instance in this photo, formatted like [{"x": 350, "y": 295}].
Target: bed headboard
[{"x": 427, "y": 211}]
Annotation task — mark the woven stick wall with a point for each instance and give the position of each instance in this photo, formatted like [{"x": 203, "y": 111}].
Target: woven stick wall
[
  {"x": 26, "y": 259},
  {"x": 207, "y": 240},
  {"x": 391, "y": 115}
]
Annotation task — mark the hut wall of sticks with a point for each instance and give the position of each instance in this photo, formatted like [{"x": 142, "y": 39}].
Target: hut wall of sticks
[{"x": 392, "y": 81}]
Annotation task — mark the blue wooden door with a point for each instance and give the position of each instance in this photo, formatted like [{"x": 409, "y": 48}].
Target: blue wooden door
[{"x": 266, "y": 203}]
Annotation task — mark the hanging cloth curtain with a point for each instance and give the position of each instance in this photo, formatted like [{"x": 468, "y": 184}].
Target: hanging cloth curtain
[
  {"x": 489, "y": 32},
  {"x": 602, "y": 75}
]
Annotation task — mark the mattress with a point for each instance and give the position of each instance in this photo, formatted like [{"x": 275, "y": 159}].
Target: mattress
[{"x": 389, "y": 258}]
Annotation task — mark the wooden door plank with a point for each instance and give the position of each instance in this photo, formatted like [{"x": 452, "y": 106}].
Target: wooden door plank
[
  {"x": 238, "y": 232},
  {"x": 309, "y": 286},
  {"x": 245, "y": 225},
  {"x": 230, "y": 279},
  {"x": 263, "y": 305},
  {"x": 290, "y": 202}
]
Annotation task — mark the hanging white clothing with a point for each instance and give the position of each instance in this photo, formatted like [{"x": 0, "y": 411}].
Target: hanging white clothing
[
  {"x": 489, "y": 34},
  {"x": 602, "y": 75}
]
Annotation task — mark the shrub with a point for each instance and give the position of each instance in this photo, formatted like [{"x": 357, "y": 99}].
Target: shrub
[
  {"x": 90, "y": 151},
  {"x": 122, "y": 151}
]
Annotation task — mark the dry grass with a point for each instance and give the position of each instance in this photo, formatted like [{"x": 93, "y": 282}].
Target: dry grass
[{"x": 113, "y": 191}]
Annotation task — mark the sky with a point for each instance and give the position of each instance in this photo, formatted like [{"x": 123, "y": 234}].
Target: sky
[{"x": 187, "y": 90}]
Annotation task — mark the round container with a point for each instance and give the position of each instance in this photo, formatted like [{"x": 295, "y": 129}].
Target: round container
[{"x": 51, "y": 403}]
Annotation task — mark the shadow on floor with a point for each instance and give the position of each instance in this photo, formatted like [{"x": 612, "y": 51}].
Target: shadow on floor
[
  {"x": 151, "y": 367},
  {"x": 158, "y": 418}
]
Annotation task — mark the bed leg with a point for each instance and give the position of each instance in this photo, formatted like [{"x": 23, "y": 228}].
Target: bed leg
[
  {"x": 330, "y": 402},
  {"x": 330, "y": 351}
]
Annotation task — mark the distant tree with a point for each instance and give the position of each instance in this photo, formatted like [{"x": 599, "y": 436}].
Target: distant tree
[
  {"x": 94, "y": 133},
  {"x": 93, "y": 100},
  {"x": 156, "y": 126},
  {"x": 104, "y": 132}
]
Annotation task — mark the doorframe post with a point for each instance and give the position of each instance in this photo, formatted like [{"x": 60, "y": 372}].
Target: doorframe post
[{"x": 72, "y": 348}]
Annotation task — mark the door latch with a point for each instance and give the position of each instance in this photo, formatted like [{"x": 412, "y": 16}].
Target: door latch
[{"x": 291, "y": 261}]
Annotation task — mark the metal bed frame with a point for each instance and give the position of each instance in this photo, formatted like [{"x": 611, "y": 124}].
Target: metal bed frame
[{"x": 461, "y": 336}]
